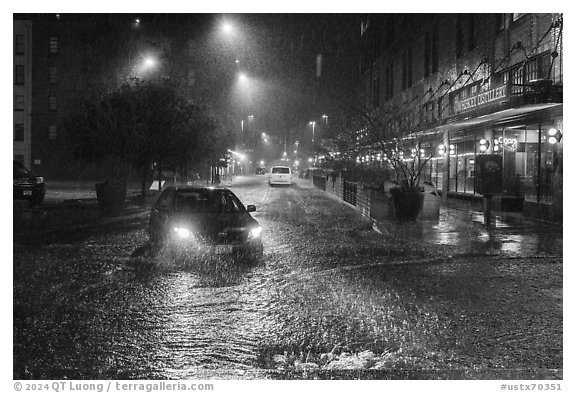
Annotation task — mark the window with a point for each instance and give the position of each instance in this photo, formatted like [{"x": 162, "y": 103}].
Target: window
[
  {"x": 363, "y": 25},
  {"x": 390, "y": 30},
  {"x": 515, "y": 17},
  {"x": 53, "y": 44},
  {"x": 532, "y": 70},
  {"x": 440, "y": 107},
  {"x": 472, "y": 32},
  {"x": 389, "y": 90},
  {"x": 19, "y": 132},
  {"x": 18, "y": 102},
  {"x": 431, "y": 52},
  {"x": 500, "y": 22},
  {"x": 376, "y": 89},
  {"x": 19, "y": 44},
  {"x": 407, "y": 69},
  {"x": 434, "y": 49},
  {"x": 19, "y": 75},
  {"x": 466, "y": 39},
  {"x": 459, "y": 37},
  {"x": 517, "y": 80},
  {"x": 53, "y": 75},
  {"x": 427, "y": 53},
  {"x": 280, "y": 169},
  {"x": 52, "y": 103},
  {"x": 52, "y": 132}
]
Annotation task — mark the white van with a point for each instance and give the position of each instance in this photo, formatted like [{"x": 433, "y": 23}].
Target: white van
[{"x": 280, "y": 174}]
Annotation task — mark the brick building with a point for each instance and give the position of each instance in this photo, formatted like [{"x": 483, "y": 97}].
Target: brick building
[
  {"x": 57, "y": 60},
  {"x": 472, "y": 84}
]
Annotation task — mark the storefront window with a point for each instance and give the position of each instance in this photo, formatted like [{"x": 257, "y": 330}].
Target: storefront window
[
  {"x": 536, "y": 165},
  {"x": 465, "y": 165},
  {"x": 432, "y": 172},
  {"x": 462, "y": 160}
]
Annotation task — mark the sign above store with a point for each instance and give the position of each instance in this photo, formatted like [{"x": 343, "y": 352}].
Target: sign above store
[{"x": 468, "y": 98}]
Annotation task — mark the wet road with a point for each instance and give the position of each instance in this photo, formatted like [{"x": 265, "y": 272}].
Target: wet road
[{"x": 332, "y": 295}]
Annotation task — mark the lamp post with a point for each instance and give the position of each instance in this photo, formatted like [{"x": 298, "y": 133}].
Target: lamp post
[
  {"x": 313, "y": 124},
  {"x": 325, "y": 117}
]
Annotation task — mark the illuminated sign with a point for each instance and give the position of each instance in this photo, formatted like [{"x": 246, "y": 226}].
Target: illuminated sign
[
  {"x": 479, "y": 100},
  {"x": 505, "y": 143}
]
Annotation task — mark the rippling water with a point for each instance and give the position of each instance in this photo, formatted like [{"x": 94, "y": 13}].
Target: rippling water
[
  {"x": 109, "y": 308},
  {"x": 186, "y": 320}
]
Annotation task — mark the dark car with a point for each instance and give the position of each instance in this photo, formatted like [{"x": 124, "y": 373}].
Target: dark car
[
  {"x": 261, "y": 170},
  {"x": 27, "y": 185},
  {"x": 196, "y": 219}
]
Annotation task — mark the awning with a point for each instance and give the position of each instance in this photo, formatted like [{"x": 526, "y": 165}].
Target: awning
[{"x": 507, "y": 117}]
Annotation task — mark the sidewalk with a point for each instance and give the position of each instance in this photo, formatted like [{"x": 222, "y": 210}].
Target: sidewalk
[{"x": 461, "y": 224}]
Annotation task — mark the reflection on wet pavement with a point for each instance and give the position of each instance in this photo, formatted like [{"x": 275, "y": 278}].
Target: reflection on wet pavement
[{"x": 510, "y": 234}]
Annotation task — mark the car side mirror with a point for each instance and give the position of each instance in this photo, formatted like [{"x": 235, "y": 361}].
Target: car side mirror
[{"x": 251, "y": 208}]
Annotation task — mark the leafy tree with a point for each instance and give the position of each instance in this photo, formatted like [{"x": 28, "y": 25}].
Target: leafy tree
[{"x": 141, "y": 123}]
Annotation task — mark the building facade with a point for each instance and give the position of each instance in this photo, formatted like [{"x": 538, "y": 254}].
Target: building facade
[
  {"x": 58, "y": 59},
  {"x": 22, "y": 135},
  {"x": 474, "y": 84}
]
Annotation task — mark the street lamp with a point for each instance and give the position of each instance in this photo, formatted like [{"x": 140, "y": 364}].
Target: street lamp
[
  {"x": 149, "y": 62},
  {"x": 325, "y": 117},
  {"x": 313, "y": 124},
  {"x": 227, "y": 28}
]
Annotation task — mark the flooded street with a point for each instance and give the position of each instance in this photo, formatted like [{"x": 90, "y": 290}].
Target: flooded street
[{"x": 331, "y": 299}]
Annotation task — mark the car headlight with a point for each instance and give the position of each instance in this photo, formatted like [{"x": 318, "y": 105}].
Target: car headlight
[
  {"x": 255, "y": 233},
  {"x": 183, "y": 233},
  {"x": 39, "y": 179}
]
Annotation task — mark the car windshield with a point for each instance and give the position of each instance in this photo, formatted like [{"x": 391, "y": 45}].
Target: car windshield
[
  {"x": 197, "y": 202},
  {"x": 204, "y": 201},
  {"x": 280, "y": 169},
  {"x": 20, "y": 170}
]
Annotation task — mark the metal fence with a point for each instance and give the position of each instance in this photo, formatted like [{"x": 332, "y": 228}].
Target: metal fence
[{"x": 350, "y": 192}]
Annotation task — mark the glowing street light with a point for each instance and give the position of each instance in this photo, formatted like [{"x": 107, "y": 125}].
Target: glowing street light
[
  {"x": 149, "y": 62},
  {"x": 325, "y": 117},
  {"x": 313, "y": 124},
  {"x": 227, "y": 28}
]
